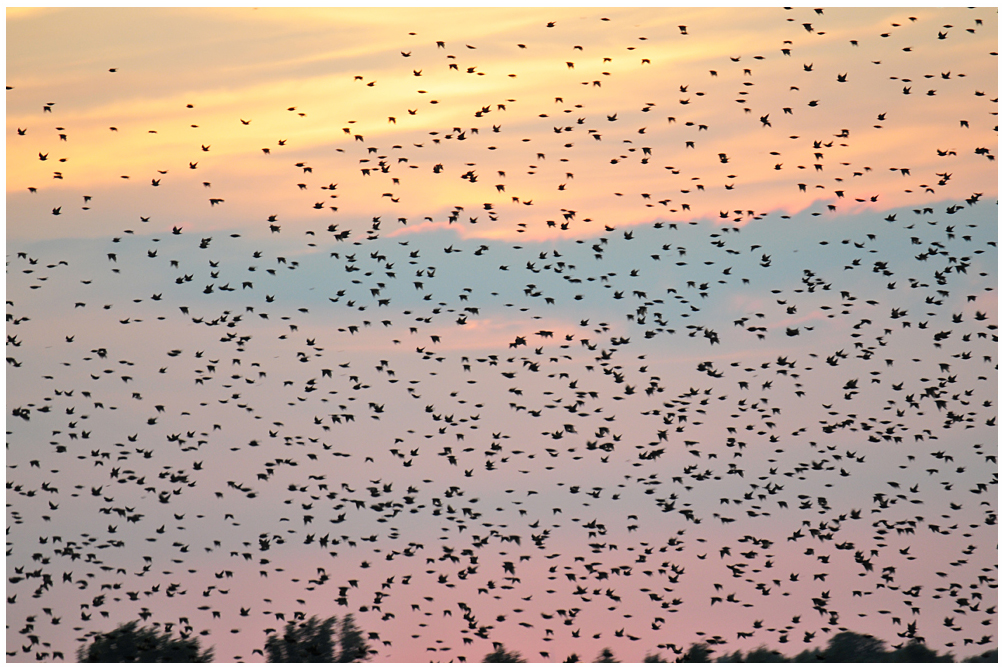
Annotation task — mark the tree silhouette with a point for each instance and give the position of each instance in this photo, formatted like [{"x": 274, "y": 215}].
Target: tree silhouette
[
  {"x": 606, "y": 656},
  {"x": 915, "y": 651},
  {"x": 306, "y": 642},
  {"x": 130, "y": 644},
  {"x": 353, "y": 646},
  {"x": 698, "y": 653},
  {"x": 654, "y": 658},
  {"x": 989, "y": 656},
  {"x": 500, "y": 655},
  {"x": 849, "y": 647},
  {"x": 735, "y": 657},
  {"x": 313, "y": 641},
  {"x": 807, "y": 656},
  {"x": 765, "y": 655}
]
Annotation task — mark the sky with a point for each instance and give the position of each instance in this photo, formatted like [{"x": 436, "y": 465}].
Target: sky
[{"x": 539, "y": 327}]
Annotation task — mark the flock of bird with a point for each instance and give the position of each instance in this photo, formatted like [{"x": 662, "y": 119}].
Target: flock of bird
[{"x": 756, "y": 428}]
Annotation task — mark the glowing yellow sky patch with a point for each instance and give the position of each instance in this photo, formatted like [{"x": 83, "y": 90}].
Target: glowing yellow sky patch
[{"x": 309, "y": 60}]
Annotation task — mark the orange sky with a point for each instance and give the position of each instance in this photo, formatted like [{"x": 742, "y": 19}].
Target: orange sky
[{"x": 235, "y": 64}]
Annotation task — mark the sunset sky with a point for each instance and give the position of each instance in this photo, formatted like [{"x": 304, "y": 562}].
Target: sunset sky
[{"x": 706, "y": 288}]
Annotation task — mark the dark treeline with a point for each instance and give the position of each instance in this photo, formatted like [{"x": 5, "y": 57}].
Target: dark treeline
[
  {"x": 334, "y": 641},
  {"x": 847, "y": 647},
  {"x": 311, "y": 641}
]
